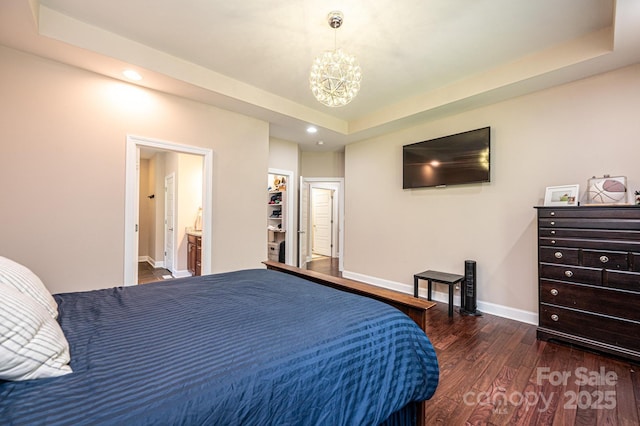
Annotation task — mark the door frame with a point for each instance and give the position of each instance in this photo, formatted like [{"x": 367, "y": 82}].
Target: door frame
[
  {"x": 317, "y": 182},
  {"x": 289, "y": 204},
  {"x": 133, "y": 143},
  {"x": 171, "y": 269}
]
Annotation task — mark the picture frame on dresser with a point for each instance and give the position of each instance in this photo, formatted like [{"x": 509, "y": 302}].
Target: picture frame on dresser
[
  {"x": 607, "y": 190},
  {"x": 564, "y": 195}
]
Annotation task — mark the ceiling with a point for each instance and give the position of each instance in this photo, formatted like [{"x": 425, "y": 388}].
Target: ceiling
[{"x": 420, "y": 59}]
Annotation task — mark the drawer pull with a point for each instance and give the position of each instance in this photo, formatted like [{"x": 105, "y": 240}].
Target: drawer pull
[
  {"x": 568, "y": 274},
  {"x": 555, "y": 317},
  {"x": 553, "y": 223},
  {"x": 552, "y": 213},
  {"x": 553, "y": 232},
  {"x": 604, "y": 259},
  {"x": 558, "y": 255},
  {"x": 553, "y": 241},
  {"x": 554, "y": 292}
]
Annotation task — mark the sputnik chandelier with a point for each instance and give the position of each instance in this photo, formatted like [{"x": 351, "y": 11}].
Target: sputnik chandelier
[{"x": 335, "y": 75}]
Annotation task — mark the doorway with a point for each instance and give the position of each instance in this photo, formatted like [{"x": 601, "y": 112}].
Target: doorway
[
  {"x": 321, "y": 222},
  {"x": 168, "y": 217},
  {"x": 286, "y": 218},
  {"x": 132, "y": 196}
]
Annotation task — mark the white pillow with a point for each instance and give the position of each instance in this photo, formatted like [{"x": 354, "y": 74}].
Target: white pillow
[
  {"x": 32, "y": 344},
  {"x": 22, "y": 279}
]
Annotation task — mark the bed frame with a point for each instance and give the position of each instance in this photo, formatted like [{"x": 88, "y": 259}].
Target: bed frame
[{"x": 415, "y": 308}]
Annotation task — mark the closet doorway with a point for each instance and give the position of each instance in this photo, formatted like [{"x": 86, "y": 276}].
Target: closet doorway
[
  {"x": 285, "y": 219},
  {"x": 135, "y": 145}
]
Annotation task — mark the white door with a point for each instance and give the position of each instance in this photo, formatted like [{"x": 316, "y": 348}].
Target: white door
[
  {"x": 303, "y": 224},
  {"x": 169, "y": 220},
  {"x": 322, "y": 212}
]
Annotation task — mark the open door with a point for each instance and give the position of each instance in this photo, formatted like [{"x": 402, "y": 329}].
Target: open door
[
  {"x": 322, "y": 222},
  {"x": 303, "y": 224},
  {"x": 169, "y": 222}
]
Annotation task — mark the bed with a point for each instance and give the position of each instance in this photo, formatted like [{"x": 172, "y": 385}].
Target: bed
[{"x": 251, "y": 347}]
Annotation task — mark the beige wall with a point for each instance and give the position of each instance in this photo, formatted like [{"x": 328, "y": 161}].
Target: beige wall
[
  {"x": 322, "y": 164},
  {"x": 285, "y": 155},
  {"x": 558, "y": 136},
  {"x": 62, "y": 144}
]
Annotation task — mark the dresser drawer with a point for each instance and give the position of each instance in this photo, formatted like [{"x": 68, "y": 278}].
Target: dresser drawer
[
  {"x": 599, "y": 300},
  {"x": 590, "y": 234},
  {"x": 612, "y": 331},
  {"x": 563, "y": 255},
  {"x": 593, "y": 213},
  {"x": 274, "y": 248},
  {"x": 624, "y": 280},
  {"x": 619, "y": 245},
  {"x": 605, "y": 259},
  {"x": 614, "y": 224},
  {"x": 274, "y": 257},
  {"x": 571, "y": 273},
  {"x": 635, "y": 262}
]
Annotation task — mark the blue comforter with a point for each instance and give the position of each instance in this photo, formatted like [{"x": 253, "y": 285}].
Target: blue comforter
[{"x": 252, "y": 347}]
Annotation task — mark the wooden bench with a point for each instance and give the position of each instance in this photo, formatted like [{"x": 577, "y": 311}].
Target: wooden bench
[{"x": 437, "y": 277}]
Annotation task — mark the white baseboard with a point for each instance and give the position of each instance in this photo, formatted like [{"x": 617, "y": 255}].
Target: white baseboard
[
  {"x": 150, "y": 261},
  {"x": 485, "y": 307},
  {"x": 156, "y": 263},
  {"x": 181, "y": 274}
]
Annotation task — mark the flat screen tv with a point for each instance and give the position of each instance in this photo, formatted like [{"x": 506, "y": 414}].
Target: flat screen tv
[{"x": 451, "y": 160}]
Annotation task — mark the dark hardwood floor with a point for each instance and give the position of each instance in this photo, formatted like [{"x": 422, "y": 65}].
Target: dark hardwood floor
[
  {"x": 325, "y": 265},
  {"x": 148, "y": 274},
  {"x": 493, "y": 371}
]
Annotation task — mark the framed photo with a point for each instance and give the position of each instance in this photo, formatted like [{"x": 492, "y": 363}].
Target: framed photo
[
  {"x": 566, "y": 195},
  {"x": 607, "y": 190}
]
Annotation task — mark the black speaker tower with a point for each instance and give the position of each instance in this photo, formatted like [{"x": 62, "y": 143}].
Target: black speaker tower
[{"x": 468, "y": 302}]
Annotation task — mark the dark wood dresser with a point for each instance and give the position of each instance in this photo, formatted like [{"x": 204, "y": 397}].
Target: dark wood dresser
[{"x": 589, "y": 277}]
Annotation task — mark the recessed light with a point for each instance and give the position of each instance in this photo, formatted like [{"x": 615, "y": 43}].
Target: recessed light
[
  {"x": 132, "y": 75},
  {"x": 320, "y": 143},
  {"x": 312, "y": 129}
]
